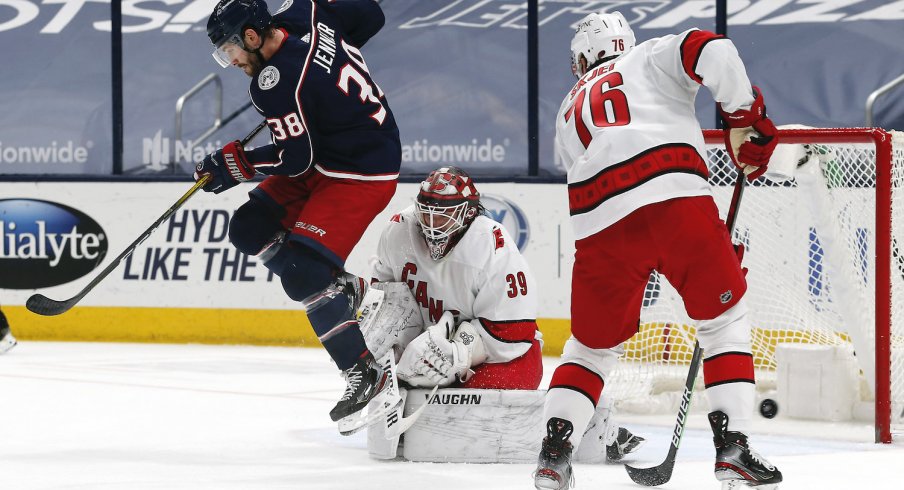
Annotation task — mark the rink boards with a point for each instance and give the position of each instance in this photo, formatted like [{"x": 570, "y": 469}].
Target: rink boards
[{"x": 186, "y": 283}]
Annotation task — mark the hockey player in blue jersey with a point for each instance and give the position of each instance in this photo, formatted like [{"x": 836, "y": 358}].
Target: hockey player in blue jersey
[{"x": 332, "y": 164}]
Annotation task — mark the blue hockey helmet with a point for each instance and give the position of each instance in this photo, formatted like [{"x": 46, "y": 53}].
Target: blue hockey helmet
[{"x": 227, "y": 24}]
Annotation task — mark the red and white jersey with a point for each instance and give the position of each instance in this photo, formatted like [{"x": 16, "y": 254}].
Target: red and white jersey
[
  {"x": 627, "y": 133},
  {"x": 484, "y": 278}
]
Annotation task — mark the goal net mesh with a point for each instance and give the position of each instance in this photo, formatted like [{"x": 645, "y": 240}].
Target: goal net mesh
[{"x": 810, "y": 243}]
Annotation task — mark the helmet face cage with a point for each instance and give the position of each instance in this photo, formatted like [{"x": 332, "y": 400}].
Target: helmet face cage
[
  {"x": 226, "y": 26},
  {"x": 599, "y": 36},
  {"x": 446, "y": 205}
]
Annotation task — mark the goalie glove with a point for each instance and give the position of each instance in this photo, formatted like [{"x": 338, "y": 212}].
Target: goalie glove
[
  {"x": 442, "y": 354},
  {"x": 226, "y": 167},
  {"x": 750, "y": 137}
]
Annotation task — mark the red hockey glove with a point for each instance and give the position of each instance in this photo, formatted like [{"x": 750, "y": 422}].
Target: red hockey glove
[
  {"x": 750, "y": 137},
  {"x": 226, "y": 167}
]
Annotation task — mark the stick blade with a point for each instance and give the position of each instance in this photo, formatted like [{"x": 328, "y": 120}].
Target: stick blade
[
  {"x": 42, "y": 305},
  {"x": 651, "y": 477}
]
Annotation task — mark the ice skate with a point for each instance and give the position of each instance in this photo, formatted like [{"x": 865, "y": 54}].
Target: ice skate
[
  {"x": 363, "y": 381},
  {"x": 7, "y": 341},
  {"x": 625, "y": 443},
  {"x": 554, "y": 465},
  {"x": 738, "y": 466}
]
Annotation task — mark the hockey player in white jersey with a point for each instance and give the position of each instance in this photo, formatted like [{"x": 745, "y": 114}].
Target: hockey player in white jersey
[
  {"x": 639, "y": 200},
  {"x": 477, "y": 295}
]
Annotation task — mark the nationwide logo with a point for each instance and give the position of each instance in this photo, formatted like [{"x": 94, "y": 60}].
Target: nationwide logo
[
  {"x": 486, "y": 151},
  {"x": 510, "y": 216},
  {"x": 158, "y": 152},
  {"x": 68, "y": 152},
  {"x": 44, "y": 244}
]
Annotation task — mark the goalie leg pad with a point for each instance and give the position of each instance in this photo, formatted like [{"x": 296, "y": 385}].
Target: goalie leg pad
[
  {"x": 474, "y": 426},
  {"x": 387, "y": 310}
]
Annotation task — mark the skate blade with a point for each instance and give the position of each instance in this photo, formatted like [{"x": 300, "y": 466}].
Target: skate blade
[
  {"x": 745, "y": 485},
  {"x": 371, "y": 414}
]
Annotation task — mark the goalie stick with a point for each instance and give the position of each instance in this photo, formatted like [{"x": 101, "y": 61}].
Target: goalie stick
[
  {"x": 42, "y": 305},
  {"x": 659, "y": 475}
]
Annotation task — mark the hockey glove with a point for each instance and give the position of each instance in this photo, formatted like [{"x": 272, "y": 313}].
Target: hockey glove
[
  {"x": 750, "y": 137},
  {"x": 226, "y": 167},
  {"x": 442, "y": 354}
]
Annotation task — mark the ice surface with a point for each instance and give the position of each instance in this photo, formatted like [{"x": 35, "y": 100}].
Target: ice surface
[{"x": 99, "y": 416}]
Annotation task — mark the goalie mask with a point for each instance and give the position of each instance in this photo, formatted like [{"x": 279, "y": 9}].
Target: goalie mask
[
  {"x": 446, "y": 205},
  {"x": 226, "y": 26},
  {"x": 599, "y": 37}
]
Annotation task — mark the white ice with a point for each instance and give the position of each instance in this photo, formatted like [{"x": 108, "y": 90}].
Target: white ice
[{"x": 125, "y": 416}]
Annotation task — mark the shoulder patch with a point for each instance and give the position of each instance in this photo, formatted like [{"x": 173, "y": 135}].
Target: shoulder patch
[
  {"x": 268, "y": 78},
  {"x": 500, "y": 241},
  {"x": 396, "y": 218}
]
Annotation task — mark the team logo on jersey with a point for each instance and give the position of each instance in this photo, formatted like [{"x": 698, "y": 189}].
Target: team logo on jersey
[
  {"x": 268, "y": 78},
  {"x": 725, "y": 297},
  {"x": 510, "y": 216}
]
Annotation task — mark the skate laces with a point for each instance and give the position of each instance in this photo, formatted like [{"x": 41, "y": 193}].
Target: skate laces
[
  {"x": 353, "y": 380},
  {"x": 757, "y": 458}
]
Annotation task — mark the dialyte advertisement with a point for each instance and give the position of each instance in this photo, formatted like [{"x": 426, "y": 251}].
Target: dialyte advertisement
[{"x": 454, "y": 72}]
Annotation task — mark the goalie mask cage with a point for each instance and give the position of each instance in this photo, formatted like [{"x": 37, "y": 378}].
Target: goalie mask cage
[{"x": 824, "y": 268}]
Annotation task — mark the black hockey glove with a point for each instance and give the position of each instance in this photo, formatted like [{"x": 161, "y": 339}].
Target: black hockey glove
[{"x": 226, "y": 167}]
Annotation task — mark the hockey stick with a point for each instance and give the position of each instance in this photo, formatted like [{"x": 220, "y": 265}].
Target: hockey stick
[
  {"x": 42, "y": 305},
  {"x": 658, "y": 475}
]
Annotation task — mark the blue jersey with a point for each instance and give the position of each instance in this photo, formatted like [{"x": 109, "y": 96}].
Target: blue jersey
[{"x": 324, "y": 110}]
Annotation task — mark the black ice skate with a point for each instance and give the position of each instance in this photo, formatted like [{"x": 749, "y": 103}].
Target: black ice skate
[
  {"x": 554, "y": 465},
  {"x": 363, "y": 381},
  {"x": 625, "y": 443},
  {"x": 7, "y": 341},
  {"x": 738, "y": 466}
]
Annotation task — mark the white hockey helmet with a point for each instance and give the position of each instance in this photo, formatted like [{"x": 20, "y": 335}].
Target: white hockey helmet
[{"x": 599, "y": 36}]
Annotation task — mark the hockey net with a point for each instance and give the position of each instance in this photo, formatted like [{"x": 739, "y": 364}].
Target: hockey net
[{"x": 815, "y": 241}]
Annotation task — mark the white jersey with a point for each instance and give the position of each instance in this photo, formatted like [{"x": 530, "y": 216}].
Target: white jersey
[
  {"x": 627, "y": 132},
  {"x": 484, "y": 278}
]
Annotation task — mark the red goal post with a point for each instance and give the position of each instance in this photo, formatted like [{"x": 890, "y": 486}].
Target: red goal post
[{"x": 882, "y": 141}]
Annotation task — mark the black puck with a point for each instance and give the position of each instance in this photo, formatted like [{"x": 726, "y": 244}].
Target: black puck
[{"x": 768, "y": 408}]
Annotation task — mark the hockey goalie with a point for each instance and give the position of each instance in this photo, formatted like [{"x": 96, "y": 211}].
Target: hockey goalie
[{"x": 453, "y": 307}]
